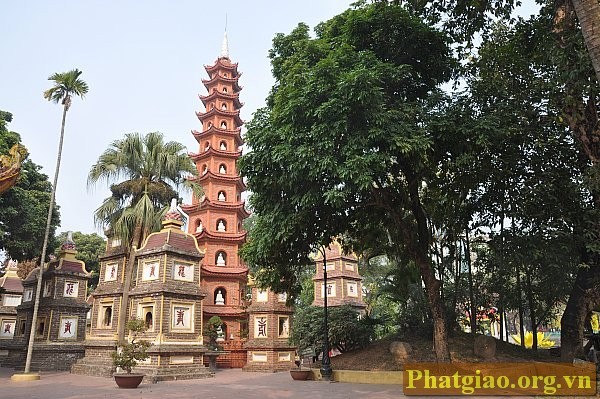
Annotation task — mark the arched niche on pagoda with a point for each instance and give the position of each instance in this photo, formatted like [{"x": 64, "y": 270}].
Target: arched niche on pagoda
[
  {"x": 220, "y": 296},
  {"x": 221, "y": 258},
  {"x": 221, "y": 225}
]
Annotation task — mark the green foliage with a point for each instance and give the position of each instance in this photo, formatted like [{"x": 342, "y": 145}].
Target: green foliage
[
  {"x": 66, "y": 85},
  {"x": 134, "y": 351},
  {"x": 211, "y": 330},
  {"x": 341, "y": 136},
  {"x": 89, "y": 248},
  {"x": 152, "y": 170},
  {"x": 24, "y": 208},
  {"x": 346, "y": 330}
]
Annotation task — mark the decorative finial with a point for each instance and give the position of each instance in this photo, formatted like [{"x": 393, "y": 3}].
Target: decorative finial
[
  {"x": 225, "y": 47},
  {"x": 69, "y": 244},
  {"x": 173, "y": 213}
]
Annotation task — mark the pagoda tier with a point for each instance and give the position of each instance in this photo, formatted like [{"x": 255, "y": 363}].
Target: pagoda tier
[
  {"x": 216, "y": 113},
  {"x": 214, "y": 152},
  {"x": 221, "y": 178},
  {"x": 217, "y": 133},
  {"x": 214, "y": 95},
  {"x": 223, "y": 63},
  {"x": 218, "y": 83}
]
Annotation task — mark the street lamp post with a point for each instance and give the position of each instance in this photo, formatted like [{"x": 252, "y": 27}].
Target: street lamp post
[{"x": 326, "y": 361}]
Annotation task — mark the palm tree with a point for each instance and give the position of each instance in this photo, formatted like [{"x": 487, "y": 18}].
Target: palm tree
[
  {"x": 66, "y": 85},
  {"x": 152, "y": 171},
  {"x": 588, "y": 14}
]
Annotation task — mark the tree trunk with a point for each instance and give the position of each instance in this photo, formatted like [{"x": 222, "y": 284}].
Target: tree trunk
[
  {"x": 520, "y": 308},
  {"x": 420, "y": 251},
  {"x": 432, "y": 288},
  {"x": 588, "y": 14},
  {"x": 531, "y": 305},
  {"x": 38, "y": 289},
  {"x": 580, "y": 303},
  {"x": 473, "y": 307},
  {"x": 137, "y": 235}
]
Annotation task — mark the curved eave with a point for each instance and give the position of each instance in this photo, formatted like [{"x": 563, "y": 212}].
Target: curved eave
[
  {"x": 221, "y": 271},
  {"x": 223, "y": 114},
  {"x": 223, "y": 310},
  {"x": 224, "y": 178},
  {"x": 227, "y": 206},
  {"x": 220, "y": 63},
  {"x": 208, "y": 83},
  {"x": 236, "y": 134},
  {"x": 230, "y": 237},
  {"x": 215, "y": 94},
  {"x": 214, "y": 152}
]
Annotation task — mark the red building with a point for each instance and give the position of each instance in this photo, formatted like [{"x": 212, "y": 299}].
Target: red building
[{"x": 215, "y": 219}]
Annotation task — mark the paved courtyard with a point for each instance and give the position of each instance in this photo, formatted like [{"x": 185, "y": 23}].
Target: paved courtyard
[{"x": 227, "y": 384}]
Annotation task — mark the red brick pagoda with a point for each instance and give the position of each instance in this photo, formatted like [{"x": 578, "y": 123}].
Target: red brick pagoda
[{"x": 215, "y": 219}]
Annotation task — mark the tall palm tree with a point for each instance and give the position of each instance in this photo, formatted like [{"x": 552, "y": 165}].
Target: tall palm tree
[
  {"x": 152, "y": 171},
  {"x": 66, "y": 85}
]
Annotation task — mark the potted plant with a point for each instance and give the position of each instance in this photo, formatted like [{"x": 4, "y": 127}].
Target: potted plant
[
  {"x": 214, "y": 331},
  {"x": 299, "y": 373},
  {"x": 129, "y": 355}
]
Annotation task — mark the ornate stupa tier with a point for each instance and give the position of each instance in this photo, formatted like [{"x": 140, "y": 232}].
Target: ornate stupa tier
[
  {"x": 215, "y": 95},
  {"x": 211, "y": 151},
  {"x": 206, "y": 135},
  {"x": 217, "y": 113},
  {"x": 205, "y": 177},
  {"x": 223, "y": 63},
  {"x": 236, "y": 273},
  {"x": 222, "y": 84},
  {"x": 220, "y": 206}
]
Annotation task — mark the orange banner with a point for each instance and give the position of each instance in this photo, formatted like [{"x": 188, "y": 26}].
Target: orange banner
[{"x": 476, "y": 379}]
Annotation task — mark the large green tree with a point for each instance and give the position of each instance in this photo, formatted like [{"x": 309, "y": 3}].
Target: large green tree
[
  {"x": 342, "y": 147},
  {"x": 23, "y": 208},
  {"x": 145, "y": 172}
]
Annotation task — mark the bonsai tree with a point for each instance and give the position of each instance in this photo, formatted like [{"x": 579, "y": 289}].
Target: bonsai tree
[
  {"x": 212, "y": 330},
  {"x": 134, "y": 351}
]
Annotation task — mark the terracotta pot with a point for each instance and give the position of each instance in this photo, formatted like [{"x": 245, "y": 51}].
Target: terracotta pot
[
  {"x": 128, "y": 381},
  {"x": 299, "y": 375}
]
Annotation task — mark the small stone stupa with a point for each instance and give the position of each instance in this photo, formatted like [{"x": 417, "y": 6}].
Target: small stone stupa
[{"x": 61, "y": 318}]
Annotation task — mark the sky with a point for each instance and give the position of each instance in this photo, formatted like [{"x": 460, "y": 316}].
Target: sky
[{"x": 143, "y": 62}]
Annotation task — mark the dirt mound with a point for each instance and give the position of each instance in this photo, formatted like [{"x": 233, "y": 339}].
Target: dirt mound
[{"x": 377, "y": 357}]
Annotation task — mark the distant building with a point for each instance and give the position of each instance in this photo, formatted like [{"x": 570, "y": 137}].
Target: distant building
[{"x": 344, "y": 283}]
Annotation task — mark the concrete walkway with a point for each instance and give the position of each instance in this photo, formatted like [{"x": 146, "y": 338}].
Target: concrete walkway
[{"x": 227, "y": 384}]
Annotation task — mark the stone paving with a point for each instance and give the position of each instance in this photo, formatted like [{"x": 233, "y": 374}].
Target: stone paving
[{"x": 227, "y": 384}]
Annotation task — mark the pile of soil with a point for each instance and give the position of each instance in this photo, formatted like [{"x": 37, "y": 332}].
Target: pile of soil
[{"x": 377, "y": 357}]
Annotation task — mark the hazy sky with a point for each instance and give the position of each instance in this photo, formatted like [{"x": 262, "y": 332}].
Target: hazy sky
[{"x": 143, "y": 62}]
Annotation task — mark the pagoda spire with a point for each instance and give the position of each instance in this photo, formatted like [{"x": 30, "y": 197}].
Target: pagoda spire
[{"x": 225, "y": 46}]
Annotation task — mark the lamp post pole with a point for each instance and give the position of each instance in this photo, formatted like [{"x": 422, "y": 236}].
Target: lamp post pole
[{"x": 326, "y": 361}]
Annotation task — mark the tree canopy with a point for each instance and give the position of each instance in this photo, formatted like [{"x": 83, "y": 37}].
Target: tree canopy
[
  {"x": 23, "y": 208},
  {"x": 341, "y": 147}
]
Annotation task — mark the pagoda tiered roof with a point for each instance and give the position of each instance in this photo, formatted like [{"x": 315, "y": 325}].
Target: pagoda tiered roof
[
  {"x": 235, "y": 133},
  {"x": 220, "y": 310},
  {"x": 225, "y": 114},
  {"x": 219, "y": 236},
  {"x": 221, "y": 271},
  {"x": 221, "y": 205},
  {"x": 218, "y": 78},
  {"x": 214, "y": 152},
  {"x": 225, "y": 63},
  {"x": 218, "y": 176},
  {"x": 219, "y": 94}
]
